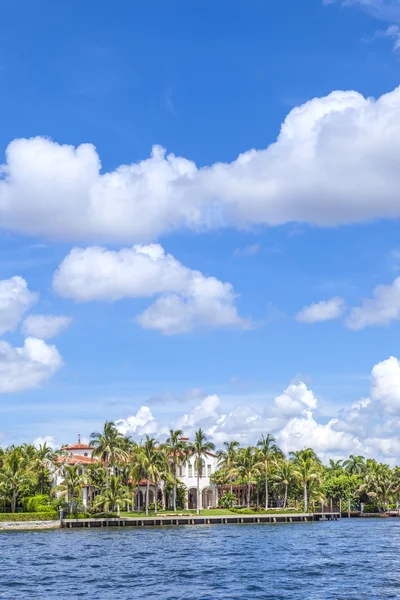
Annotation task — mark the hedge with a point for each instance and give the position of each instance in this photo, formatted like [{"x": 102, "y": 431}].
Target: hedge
[
  {"x": 261, "y": 511},
  {"x": 40, "y": 516}
]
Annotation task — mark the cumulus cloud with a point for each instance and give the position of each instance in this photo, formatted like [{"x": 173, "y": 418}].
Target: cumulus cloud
[
  {"x": 47, "y": 439},
  {"x": 295, "y": 399},
  {"x": 15, "y": 300},
  {"x": 385, "y": 384},
  {"x": 187, "y": 297},
  {"x": 334, "y": 162},
  {"x": 326, "y": 310},
  {"x": 305, "y": 432},
  {"x": 27, "y": 367},
  {"x": 201, "y": 413},
  {"x": 368, "y": 426},
  {"x": 381, "y": 309},
  {"x": 45, "y": 326},
  {"x": 138, "y": 425}
]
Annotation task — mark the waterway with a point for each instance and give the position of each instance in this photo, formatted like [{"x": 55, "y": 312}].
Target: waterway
[{"x": 357, "y": 559}]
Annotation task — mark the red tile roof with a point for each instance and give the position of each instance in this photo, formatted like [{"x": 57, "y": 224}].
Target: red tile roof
[
  {"x": 78, "y": 446},
  {"x": 77, "y": 458}
]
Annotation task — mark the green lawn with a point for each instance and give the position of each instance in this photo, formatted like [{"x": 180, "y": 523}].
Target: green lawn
[{"x": 217, "y": 512}]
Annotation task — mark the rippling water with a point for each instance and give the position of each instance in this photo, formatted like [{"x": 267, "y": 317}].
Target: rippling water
[{"x": 344, "y": 560}]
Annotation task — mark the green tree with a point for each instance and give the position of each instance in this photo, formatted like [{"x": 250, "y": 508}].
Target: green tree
[
  {"x": 71, "y": 486},
  {"x": 248, "y": 468},
  {"x": 114, "y": 496},
  {"x": 176, "y": 450},
  {"x": 109, "y": 445},
  {"x": 199, "y": 448},
  {"x": 307, "y": 469},
  {"x": 227, "y": 460},
  {"x": 267, "y": 453}
]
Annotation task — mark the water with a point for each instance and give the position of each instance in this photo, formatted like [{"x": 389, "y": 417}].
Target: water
[{"x": 344, "y": 560}]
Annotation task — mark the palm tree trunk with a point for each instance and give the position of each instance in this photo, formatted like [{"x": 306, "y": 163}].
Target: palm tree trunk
[
  {"x": 147, "y": 496},
  {"x": 248, "y": 493},
  {"x": 107, "y": 471},
  {"x": 285, "y": 498},
  {"x": 155, "y": 496},
  {"x": 42, "y": 480},
  {"x": 266, "y": 489},
  {"x": 230, "y": 479},
  {"x": 198, "y": 493},
  {"x": 174, "y": 487},
  {"x": 305, "y": 497},
  {"x": 14, "y": 503},
  {"x": 138, "y": 496}
]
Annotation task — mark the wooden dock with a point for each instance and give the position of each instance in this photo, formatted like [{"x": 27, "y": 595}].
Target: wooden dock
[{"x": 163, "y": 521}]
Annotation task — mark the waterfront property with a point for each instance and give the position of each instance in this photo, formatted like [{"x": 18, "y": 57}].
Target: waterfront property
[{"x": 82, "y": 455}]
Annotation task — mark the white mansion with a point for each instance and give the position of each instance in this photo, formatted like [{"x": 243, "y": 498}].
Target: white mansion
[{"x": 82, "y": 454}]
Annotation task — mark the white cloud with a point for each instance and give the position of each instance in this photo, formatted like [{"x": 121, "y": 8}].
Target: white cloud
[
  {"x": 393, "y": 32},
  {"x": 47, "y": 439},
  {"x": 201, "y": 413},
  {"x": 381, "y": 309},
  {"x": 334, "y": 162},
  {"x": 295, "y": 399},
  {"x": 248, "y": 251},
  {"x": 187, "y": 297},
  {"x": 326, "y": 310},
  {"x": 15, "y": 300},
  {"x": 304, "y": 432},
  {"x": 138, "y": 425},
  {"x": 386, "y": 10},
  {"x": 385, "y": 384},
  {"x": 45, "y": 326},
  {"x": 27, "y": 367}
]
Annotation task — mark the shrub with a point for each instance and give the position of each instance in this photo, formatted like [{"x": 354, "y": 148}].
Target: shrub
[
  {"x": 38, "y": 504},
  {"x": 228, "y": 500},
  {"x": 36, "y": 516}
]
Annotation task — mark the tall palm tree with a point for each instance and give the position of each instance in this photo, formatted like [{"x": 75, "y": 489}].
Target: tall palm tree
[
  {"x": 199, "y": 448},
  {"x": 109, "y": 445},
  {"x": 113, "y": 497},
  {"x": 177, "y": 450},
  {"x": 355, "y": 465},
  {"x": 227, "y": 460},
  {"x": 43, "y": 460},
  {"x": 284, "y": 476},
  {"x": 71, "y": 486},
  {"x": 268, "y": 452},
  {"x": 248, "y": 468},
  {"x": 153, "y": 462},
  {"x": 307, "y": 468}
]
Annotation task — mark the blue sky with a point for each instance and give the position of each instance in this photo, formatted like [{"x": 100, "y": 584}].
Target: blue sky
[{"x": 206, "y": 321}]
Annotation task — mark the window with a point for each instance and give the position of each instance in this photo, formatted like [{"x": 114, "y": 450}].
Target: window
[
  {"x": 190, "y": 470},
  {"x": 208, "y": 470},
  {"x": 85, "y": 454}
]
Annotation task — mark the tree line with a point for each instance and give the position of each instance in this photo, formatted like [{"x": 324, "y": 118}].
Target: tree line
[{"x": 256, "y": 477}]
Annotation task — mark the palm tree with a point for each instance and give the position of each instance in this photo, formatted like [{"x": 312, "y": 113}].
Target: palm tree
[
  {"x": 227, "y": 460},
  {"x": 248, "y": 467},
  {"x": 43, "y": 460},
  {"x": 71, "y": 487},
  {"x": 355, "y": 465},
  {"x": 284, "y": 476},
  {"x": 268, "y": 452},
  {"x": 307, "y": 468},
  {"x": 114, "y": 496},
  {"x": 153, "y": 463},
  {"x": 109, "y": 445},
  {"x": 177, "y": 450},
  {"x": 199, "y": 448},
  {"x": 15, "y": 476}
]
